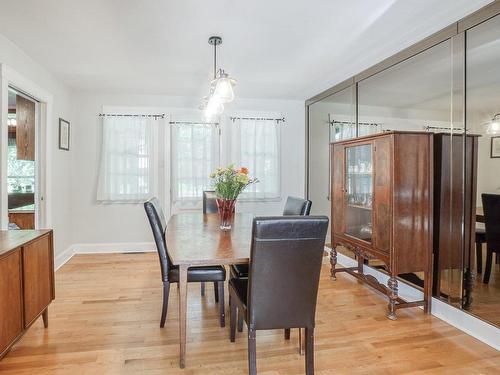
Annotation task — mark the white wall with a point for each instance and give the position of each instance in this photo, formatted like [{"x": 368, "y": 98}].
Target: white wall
[
  {"x": 60, "y": 205},
  {"x": 96, "y": 223}
]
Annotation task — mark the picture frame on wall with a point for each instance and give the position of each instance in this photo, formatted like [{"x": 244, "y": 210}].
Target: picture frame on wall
[
  {"x": 495, "y": 147},
  {"x": 64, "y": 128}
]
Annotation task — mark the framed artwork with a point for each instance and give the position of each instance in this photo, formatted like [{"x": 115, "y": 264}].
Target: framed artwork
[
  {"x": 495, "y": 147},
  {"x": 63, "y": 134}
]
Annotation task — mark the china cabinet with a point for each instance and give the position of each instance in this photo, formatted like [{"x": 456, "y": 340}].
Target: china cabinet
[{"x": 382, "y": 208}]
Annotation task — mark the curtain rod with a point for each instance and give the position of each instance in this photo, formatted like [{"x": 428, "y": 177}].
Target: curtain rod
[
  {"x": 162, "y": 115},
  {"x": 192, "y": 123},
  {"x": 281, "y": 119},
  {"x": 353, "y": 123}
]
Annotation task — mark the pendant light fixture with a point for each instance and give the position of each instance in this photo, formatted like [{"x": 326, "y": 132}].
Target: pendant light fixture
[
  {"x": 221, "y": 88},
  {"x": 493, "y": 126}
]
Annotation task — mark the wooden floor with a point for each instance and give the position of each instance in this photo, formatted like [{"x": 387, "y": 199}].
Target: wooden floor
[{"x": 105, "y": 320}]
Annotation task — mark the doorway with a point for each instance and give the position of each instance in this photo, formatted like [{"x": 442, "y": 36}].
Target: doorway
[{"x": 22, "y": 162}]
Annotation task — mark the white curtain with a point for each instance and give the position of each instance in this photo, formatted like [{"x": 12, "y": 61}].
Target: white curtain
[
  {"x": 127, "y": 169},
  {"x": 255, "y": 144},
  {"x": 195, "y": 154}
]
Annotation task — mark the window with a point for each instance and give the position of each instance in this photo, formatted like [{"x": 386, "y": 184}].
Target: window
[
  {"x": 127, "y": 169},
  {"x": 195, "y": 154},
  {"x": 255, "y": 144}
]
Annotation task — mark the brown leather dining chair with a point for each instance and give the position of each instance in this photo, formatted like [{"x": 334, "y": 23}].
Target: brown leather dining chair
[
  {"x": 491, "y": 206},
  {"x": 293, "y": 206},
  {"x": 282, "y": 285},
  {"x": 210, "y": 207},
  {"x": 170, "y": 273}
]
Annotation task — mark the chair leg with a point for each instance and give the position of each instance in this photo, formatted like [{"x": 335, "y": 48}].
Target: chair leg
[
  {"x": 232, "y": 319},
  {"x": 166, "y": 291},
  {"x": 479, "y": 257},
  {"x": 252, "y": 353},
  {"x": 220, "y": 288},
  {"x": 287, "y": 333},
  {"x": 487, "y": 267},
  {"x": 309, "y": 333},
  {"x": 216, "y": 292},
  {"x": 202, "y": 289},
  {"x": 240, "y": 321}
]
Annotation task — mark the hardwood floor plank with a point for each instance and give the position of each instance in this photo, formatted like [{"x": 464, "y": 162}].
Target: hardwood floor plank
[{"x": 105, "y": 320}]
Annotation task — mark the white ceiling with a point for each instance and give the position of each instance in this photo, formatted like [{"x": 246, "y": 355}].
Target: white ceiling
[{"x": 276, "y": 49}]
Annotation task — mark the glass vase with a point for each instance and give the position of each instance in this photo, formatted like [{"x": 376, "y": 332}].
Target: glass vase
[{"x": 226, "y": 212}]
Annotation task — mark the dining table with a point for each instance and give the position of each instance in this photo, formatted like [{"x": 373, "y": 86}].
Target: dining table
[{"x": 195, "y": 239}]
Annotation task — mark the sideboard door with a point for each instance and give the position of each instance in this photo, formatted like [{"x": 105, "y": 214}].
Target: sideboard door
[
  {"x": 11, "y": 321},
  {"x": 337, "y": 193},
  {"x": 382, "y": 194},
  {"x": 38, "y": 272}
]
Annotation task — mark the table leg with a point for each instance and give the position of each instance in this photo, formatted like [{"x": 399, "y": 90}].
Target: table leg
[{"x": 182, "y": 313}]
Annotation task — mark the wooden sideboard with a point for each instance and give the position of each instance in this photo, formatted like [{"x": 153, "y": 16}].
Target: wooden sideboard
[
  {"x": 382, "y": 208},
  {"x": 26, "y": 282}
]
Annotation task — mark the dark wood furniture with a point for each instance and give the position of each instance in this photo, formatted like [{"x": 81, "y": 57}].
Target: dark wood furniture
[
  {"x": 194, "y": 239},
  {"x": 25, "y": 129},
  {"x": 382, "y": 208},
  {"x": 170, "y": 273},
  {"x": 454, "y": 211},
  {"x": 491, "y": 205},
  {"x": 292, "y": 247},
  {"x": 26, "y": 282}
]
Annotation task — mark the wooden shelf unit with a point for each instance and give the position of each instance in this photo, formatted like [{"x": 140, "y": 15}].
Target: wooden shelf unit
[{"x": 401, "y": 216}]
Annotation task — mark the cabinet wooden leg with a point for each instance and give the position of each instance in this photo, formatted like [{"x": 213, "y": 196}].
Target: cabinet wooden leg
[
  {"x": 45, "y": 317},
  {"x": 392, "y": 284},
  {"x": 333, "y": 262}
]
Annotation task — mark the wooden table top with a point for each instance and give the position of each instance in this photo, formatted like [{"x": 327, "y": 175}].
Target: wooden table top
[
  {"x": 196, "y": 239},
  {"x": 12, "y": 239}
]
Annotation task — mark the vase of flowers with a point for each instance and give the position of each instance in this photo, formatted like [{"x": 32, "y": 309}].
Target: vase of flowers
[{"x": 229, "y": 183}]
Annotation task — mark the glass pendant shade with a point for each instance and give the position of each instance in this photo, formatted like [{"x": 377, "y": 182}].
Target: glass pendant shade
[
  {"x": 214, "y": 108},
  {"x": 493, "y": 126},
  {"x": 224, "y": 88}
]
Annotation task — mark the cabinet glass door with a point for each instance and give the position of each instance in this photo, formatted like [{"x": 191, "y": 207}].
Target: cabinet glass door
[{"x": 359, "y": 191}]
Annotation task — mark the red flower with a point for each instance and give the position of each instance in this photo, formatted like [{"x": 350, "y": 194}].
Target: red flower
[{"x": 244, "y": 170}]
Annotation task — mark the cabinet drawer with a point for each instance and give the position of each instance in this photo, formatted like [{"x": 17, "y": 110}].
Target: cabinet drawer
[
  {"x": 11, "y": 322},
  {"x": 37, "y": 262}
]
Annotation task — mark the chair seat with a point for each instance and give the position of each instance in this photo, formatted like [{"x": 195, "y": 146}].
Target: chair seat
[
  {"x": 480, "y": 233},
  {"x": 239, "y": 270},
  {"x": 240, "y": 287},
  {"x": 199, "y": 274}
]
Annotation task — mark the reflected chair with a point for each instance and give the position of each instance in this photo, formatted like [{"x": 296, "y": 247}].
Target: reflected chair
[
  {"x": 169, "y": 272},
  {"x": 293, "y": 206},
  {"x": 480, "y": 240},
  {"x": 282, "y": 286},
  {"x": 491, "y": 206}
]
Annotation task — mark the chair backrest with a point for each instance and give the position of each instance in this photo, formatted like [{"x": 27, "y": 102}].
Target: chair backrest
[
  {"x": 491, "y": 207},
  {"x": 297, "y": 206},
  {"x": 158, "y": 226},
  {"x": 209, "y": 202},
  {"x": 285, "y": 264}
]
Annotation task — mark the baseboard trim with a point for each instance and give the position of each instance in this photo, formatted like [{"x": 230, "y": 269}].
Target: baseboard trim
[
  {"x": 119, "y": 247},
  {"x": 62, "y": 258},
  {"x": 475, "y": 327},
  {"x": 102, "y": 248}
]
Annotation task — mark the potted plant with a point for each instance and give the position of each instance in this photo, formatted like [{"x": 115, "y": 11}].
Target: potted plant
[{"x": 229, "y": 182}]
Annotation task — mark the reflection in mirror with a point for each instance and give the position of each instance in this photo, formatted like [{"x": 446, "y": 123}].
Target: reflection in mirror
[
  {"x": 483, "y": 103},
  {"x": 419, "y": 94},
  {"x": 331, "y": 119}
]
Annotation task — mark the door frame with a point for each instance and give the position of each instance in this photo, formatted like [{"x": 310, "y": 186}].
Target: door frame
[{"x": 43, "y": 212}]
